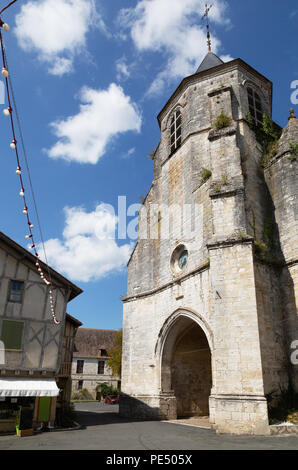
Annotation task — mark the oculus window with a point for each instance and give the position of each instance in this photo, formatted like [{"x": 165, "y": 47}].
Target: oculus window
[{"x": 179, "y": 259}]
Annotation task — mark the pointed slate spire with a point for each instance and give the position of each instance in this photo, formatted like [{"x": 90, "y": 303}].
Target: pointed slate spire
[{"x": 211, "y": 60}]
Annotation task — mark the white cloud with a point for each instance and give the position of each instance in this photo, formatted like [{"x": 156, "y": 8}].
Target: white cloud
[
  {"x": 56, "y": 30},
  {"x": 103, "y": 115},
  {"x": 122, "y": 69},
  {"x": 129, "y": 153},
  {"x": 88, "y": 250},
  {"x": 226, "y": 58},
  {"x": 175, "y": 28}
]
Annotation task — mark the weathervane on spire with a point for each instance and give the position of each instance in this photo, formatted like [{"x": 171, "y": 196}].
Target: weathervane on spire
[{"x": 207, "y": 25}]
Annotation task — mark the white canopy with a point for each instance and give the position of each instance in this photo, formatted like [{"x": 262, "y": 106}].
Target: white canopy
[{"x": 23, "y": 387}]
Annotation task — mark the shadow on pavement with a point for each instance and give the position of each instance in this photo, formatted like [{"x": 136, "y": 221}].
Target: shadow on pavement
[{"x": 101, "y": 418}]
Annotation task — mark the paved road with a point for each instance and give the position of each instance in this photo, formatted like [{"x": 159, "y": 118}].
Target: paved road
[{"x": 105, "y": 430}]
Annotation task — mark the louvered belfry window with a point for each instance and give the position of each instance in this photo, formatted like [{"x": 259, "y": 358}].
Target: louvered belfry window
[
  {"x": 101, "y": 367},
  {"x": 175, "y": 131},
  {"x": 255, "y": 106}
]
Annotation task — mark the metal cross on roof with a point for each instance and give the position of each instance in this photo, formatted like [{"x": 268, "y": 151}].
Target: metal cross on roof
[{"x": 208, "y": 8}]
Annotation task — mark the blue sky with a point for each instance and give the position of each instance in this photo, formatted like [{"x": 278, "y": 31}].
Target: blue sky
[{"x": 90, "y": 78}]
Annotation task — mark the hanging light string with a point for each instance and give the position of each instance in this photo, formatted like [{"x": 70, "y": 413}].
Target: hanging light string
[
  {"x": 7, "y": 6},
  {"x": 13, "y": 145}
]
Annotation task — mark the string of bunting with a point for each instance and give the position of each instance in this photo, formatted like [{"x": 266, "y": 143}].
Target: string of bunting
[{"x": 14, "y": 146}]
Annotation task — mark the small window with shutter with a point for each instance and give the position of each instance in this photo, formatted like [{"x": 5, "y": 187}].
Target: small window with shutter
[{"x": 12, "y": 334}]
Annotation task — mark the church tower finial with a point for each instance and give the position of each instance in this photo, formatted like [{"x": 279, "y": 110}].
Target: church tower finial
[{"x": 206, "y": 14}]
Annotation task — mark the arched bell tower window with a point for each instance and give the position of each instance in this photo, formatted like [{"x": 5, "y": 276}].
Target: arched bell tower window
[
  {"x": 255, "y": 106},
  {"x": 175, "y": 130}
]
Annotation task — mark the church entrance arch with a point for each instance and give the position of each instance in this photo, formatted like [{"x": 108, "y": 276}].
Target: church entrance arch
[{"x": 186, "y": 368}]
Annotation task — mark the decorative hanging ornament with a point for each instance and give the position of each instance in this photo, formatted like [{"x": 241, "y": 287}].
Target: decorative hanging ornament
[{"x": 8, "y": 111}]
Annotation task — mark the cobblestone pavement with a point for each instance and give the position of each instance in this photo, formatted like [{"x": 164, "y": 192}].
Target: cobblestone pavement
[{"x": 103, "y": 429}]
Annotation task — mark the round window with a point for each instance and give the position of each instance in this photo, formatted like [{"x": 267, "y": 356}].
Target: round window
[
  {"x": 183, "y": 259},
  {"x": 179, "y": 259}
]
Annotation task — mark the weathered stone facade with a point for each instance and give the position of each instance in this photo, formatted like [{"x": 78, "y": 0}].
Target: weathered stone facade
[{"x": 221, "y": 327}]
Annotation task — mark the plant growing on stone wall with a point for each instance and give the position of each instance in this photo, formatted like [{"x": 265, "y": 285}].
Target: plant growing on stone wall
[
  {"x": 293, "y": 146},
  {"x": 151, "y": 154},
  {"x": 268, "y": 135},
  {"x": 261, "y": 249},
  {"x": 205, "y": 174},
  {"x": 222, "y": 121},
  {"x": 224, "y": 180}
]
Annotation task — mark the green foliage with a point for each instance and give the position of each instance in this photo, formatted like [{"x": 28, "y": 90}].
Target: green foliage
[
  {"x": 264, "y": 249},
  {"x": 267, "y": 135},
  {"x": 293, "y": 149},
  {"x": 115, "y": 355},
  {"x": 285, "y": 408},
  {"x": 224, "y": 180},
  {"x": 83, "y": 394},
  {"x": 106, "y": 389},
  {"x": 222, "y": 121},
  {"x": 261, "y": 249},
  {"x": 151, "y": 154},
  {"x": 205, "y": 174}
]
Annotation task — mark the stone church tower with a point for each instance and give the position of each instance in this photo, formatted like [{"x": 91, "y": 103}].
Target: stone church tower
[{"x": 211, "y": 309}]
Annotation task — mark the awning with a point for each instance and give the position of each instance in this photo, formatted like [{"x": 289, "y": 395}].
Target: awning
[{"x": 21, "y": 387}]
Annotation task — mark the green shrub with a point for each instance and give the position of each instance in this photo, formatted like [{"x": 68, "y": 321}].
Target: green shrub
[
  {"x": 205, "y": 174},
  {"x": 268, "y": 135},
  {"x": 293, "y": 149},
  {"x": 106, "y": 389},
  {"x": 222, "y": 121},
  {"x": 83, "y": 394}
]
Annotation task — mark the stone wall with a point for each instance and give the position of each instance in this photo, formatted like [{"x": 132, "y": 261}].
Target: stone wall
[{"x": 90, "y": 376}]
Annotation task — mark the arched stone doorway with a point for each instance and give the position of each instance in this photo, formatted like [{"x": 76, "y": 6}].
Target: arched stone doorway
[{"x": 186, "y": 369}]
